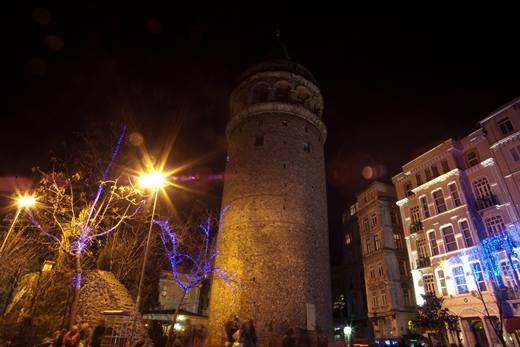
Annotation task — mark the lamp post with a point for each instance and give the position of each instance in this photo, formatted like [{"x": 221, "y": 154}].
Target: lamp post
[
  {"x": 347, "y": 331},
  {"x": 23, "y": 201},
  {"x": 154, "y": 181}
]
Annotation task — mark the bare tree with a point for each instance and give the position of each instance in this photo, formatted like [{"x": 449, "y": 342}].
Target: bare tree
[
  {"x": 190, "y": 249},
  {"x": 72, "y": 216}
]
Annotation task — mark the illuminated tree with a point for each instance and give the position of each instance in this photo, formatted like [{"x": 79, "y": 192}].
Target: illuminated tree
[
  {"x": 190, "y": 249},
  {"x": 73, "y": 214}
]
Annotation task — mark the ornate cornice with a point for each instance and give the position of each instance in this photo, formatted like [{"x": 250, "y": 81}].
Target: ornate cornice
[{"x": 276, "y": 107}]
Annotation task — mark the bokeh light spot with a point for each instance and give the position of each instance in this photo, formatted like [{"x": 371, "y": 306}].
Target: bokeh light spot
[
  {"x": 41, "y": 16},
  {"x": 54, "y": 42},
  {"x": 367, "y": 172},
  {"x": 136, "y": 139}
]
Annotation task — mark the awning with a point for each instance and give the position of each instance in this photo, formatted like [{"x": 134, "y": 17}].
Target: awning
[{"x": 512, "y": 324}]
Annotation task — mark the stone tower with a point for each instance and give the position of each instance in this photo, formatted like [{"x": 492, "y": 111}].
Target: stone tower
[{"x": 274, "y": 235}]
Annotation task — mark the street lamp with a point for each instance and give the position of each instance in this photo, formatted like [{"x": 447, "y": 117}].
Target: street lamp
[
  {"x": 25, "y": 201},
  {"x": 347, "y": 331},
  {"x": 153, "y": 181}
]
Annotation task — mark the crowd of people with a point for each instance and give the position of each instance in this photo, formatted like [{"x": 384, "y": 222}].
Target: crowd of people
[{"x": 80, "y": 335}]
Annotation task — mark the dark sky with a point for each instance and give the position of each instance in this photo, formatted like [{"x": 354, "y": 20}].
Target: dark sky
[{"x": 395, "y": 80}]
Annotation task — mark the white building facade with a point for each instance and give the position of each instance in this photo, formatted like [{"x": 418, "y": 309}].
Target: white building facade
[{"x": 459, "y": 205}]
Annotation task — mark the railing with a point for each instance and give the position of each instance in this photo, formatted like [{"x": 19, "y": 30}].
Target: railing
[
  {"x": 415, "y": 227},
  {"x": 422, "y": 262},
  {"x": 486, "y": 201}
]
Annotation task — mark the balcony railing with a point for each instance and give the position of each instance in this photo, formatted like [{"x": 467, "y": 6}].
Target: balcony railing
[
  {"x": 422, "y": 262},
  {"x": 486, "y": 201},
  {"x": 415, "y": 227}
]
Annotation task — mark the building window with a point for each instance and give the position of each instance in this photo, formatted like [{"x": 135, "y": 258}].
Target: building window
[
  {"x": 424, "y": 206},
  {"x": 445, "y": 166},
  {"x": 459, "y": 279},
  {"x": 402, "y": 268},
  {"x": 429, "y": 286},
  {"x": 479, "y": 276},
  {"x": 398, "y": 241},
  {"x": 485, "y": 197},
  {"x": 365, "y": 224},
  {"x": 307, "y": 147},
  {"x": 259, "y": 141},
  {"x": 418, "y": 179},
  {"x": 442, "y": 282},
  {"x": 369, "y": 245},
  {"x": 433, "y": 243},
  {"x": 408, "y": 189},
  {"x": 377, "y": 243},
  {"x": 466, "y": 233},
  {"x": 374, "y": 299},
  {"x": 508, "y": 275},
  {"x": 414, "y": 215},
  {"x": 438, "y": 198},
  {"x": 373, "y": 220},
  {"x": 393, "y": 217},
  {"x": 383, "y": 298},
  {"x": 515, "y": 153},
  {"x": 381, "y": 271},
  {"x": 435, "y": 170},
  {"x": 421, "y": 248},
  {"x": 348, "y": 239},
  {"x": 406, "y": 297},
  {"x": 472, "y": 158},
  {"x": 449, "y": 238},
  {"x": 455, "y": 198},
  {"x": 495, "y": 225},
  {"x": 428, "y": 174},
  {"x": 505, "y": 126}
]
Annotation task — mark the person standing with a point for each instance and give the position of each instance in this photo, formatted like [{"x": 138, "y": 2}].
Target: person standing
[{"x": 71, "y": 337}]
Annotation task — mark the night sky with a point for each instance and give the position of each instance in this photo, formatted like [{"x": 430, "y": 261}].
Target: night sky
[{"x": 396, "y": 81}]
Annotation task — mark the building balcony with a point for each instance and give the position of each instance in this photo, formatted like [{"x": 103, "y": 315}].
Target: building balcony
[
  {"x": 422, "y": 262},
  {"x": 487, "y": 201},
  {"x": 415, "y": 227}
]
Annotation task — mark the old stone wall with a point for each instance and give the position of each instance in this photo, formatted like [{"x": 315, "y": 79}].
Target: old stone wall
[{"x": 46, "y": 297}]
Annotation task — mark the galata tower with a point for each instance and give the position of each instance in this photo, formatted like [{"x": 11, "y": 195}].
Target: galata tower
[{"x": 274, "y": 235}]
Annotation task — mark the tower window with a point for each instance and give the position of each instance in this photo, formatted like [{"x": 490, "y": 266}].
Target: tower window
[
  {"x": 284, "y": 166},
  {"x": 284, "y": 123},
  {"x": 307, "y": 147},
  {"x": 259, "y": 141}
]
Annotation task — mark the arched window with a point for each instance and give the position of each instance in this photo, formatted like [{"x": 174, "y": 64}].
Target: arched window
[
  {"x": 507, "y": 273},
  {"x": 260, "y": 93},
  {"x": 282, "y": 91},
  {"x": 495, "y": 225},
  {"x": 302, "y": 94}
]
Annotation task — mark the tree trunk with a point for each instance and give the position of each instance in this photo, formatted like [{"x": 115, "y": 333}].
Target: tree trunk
[
  {"x": 174, "y": 319},
  {"x": 76, "y": 288}
]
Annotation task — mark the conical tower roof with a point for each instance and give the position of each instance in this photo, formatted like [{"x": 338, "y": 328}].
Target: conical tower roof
[{"x": 278, "y": 59}]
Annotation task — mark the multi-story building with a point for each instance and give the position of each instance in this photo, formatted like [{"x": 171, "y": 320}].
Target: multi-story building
[
  {"x": 459, "y": 207},
  {"x": 385, "y": 264},
  {"x": 348, "y": 283}
]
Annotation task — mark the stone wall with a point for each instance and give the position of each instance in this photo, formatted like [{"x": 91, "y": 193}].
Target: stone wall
[{"x": 47, "y": 296}]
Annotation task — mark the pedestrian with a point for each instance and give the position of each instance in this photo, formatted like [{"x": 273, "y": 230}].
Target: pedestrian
[
  {"x": 71, "y": 338},
  {"x": 98, "y": 333},
  {"x": 231, "y": 327},
  {"x": 288, "y": 340},
  {"x": 84, "y": 335}
]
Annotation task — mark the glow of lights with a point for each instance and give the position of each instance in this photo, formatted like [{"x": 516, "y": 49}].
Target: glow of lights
[
  {"x": 77, "y": 280},
  {"x": 152, "y": 180},
  {"x": 26, "y": 201},
  {"x": 181, "y": 317},
  {"x": 177, "y": 326},
  {"x": 347, "y": 330}
]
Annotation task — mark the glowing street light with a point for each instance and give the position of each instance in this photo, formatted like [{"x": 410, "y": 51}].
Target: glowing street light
[
  {"x": 153, "y": 180},
  {"x": 347, "y": 330},
  {"x": 25, "y": 201}
]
